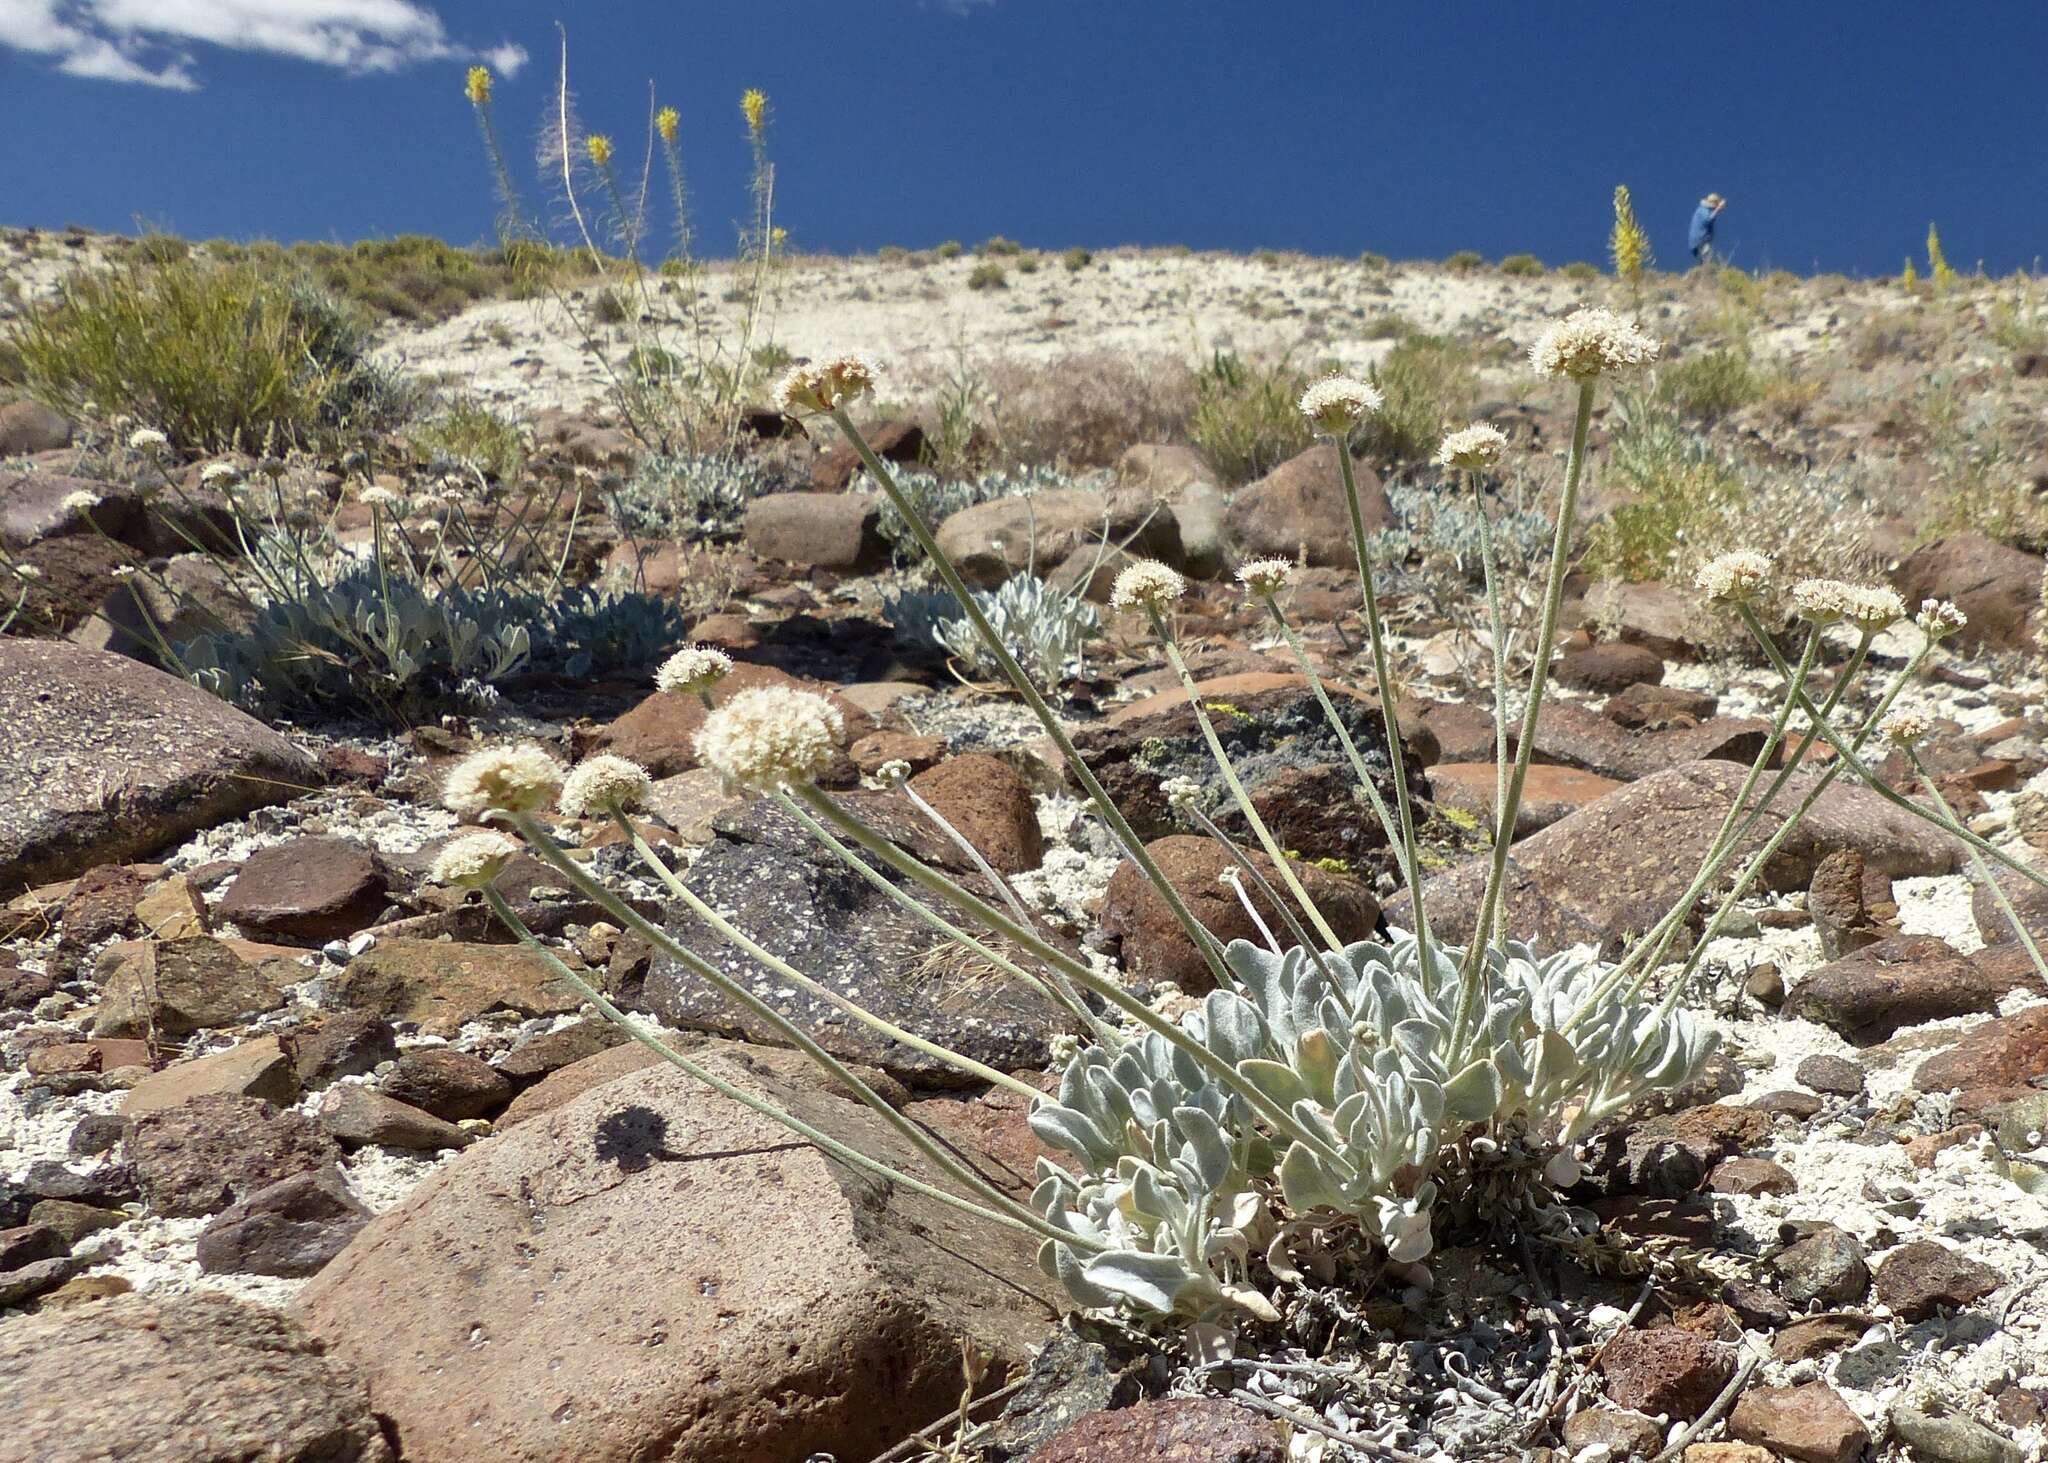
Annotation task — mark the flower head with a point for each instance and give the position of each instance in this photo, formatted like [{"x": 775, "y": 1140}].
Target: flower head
[
  {"x": 603, "y": 785},
  {"x": 892, "y": 772},
  {"x": 81, "y": 501},
  {"x": 27, "y": 571},
  {"x": 1336, "y": 404},
  {"x": 123, "y": 571},
  {"x": 809, "y": 389},
  {"x": 692, "y": 671},
  {"x": 770, "y": 737},
  {"x": 216, "y": 474},
  {"x": 1265, "y": 576},
  {"x": 754, "y": 107},
  {"x": 1869, "y": 607},
  {"x": 599, "y": 147},
  {"x": 473, "y": 860},
  {"x": 1939, "y": 618},
  {"x": 381, "y": 498},
  {"x": 1734, "y": 578},
  {"x": 1146, "y": 585},
  {"x": 1180, "y": 792},
  {"x": 1588, "y": 343},
  {"x": 668, "y": 121},
  {"x": 1473, "y": 448},
  {"x": 478, "y": 86},
  {"x": 519, "y": 779},
  {"x": 1904, "y": 727},
  {"x": 147, "y": 439}
]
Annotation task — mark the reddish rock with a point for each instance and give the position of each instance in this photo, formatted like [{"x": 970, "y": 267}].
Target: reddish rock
[
  {"x": 356, "y": 1115},
  {"x": 989, "y": 542},
  {"x": 1667, "y": 1370},
  {"x": 660, "y": 733},
  {"x": 1922, "y": 1277},
  {"x": 895, "y": 442},
  {"x": 989, "y": 804},
  {"x": 1548, "y": 793},
  {"x": 1644, "y": 707},
  {"x": 2008, "y": 1051},
  {"x": 1154, "y": 948},
  {"x": 442, "y": 984},
  {"x": 1608, "y": 667},
  {"x": 447, "y": 1083},
  {"x": 1170, "y": 1430},
  {"x": 1751, "y": 1176},
  {"x": 1817, "y": 1336},
  {"x": 310, "y": 889},
  {"x": 1902, "y": 980},
  {"x": 29, "y": 427},
  {"x": 1998, "y": 587},
  {"x": 203, "y": 1155},
  {"x": 292, "y": 1228},
  {"x": 1809, "y": 1424},
  {"x": 819, "y": 530},
  {"x": 1300, "y": 505},
  {"x": 877, "y": 749}
]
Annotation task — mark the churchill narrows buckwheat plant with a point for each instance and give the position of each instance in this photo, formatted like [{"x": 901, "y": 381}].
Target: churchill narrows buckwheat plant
[{"x": 1333, "y": 1108}]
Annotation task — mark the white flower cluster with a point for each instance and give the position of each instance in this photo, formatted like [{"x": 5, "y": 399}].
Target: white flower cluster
[
  {"x": 1472, "y": 448},
  {"x": 1589, "y": 343},
  {"x": 1735, "y": 578},
  {"x": 1180, "y": 792},
  {"x": 1336, "y": 404},
  {"x": 81, "y": 501},
  {"x": 519, "y": 779},
  {"x": 770, "y": 737},
  {"x": 1869, "y": 607},
  {"x": 1940, "y": 618},
  {"x": 219, "y": 474},
  {"x": 603, "y": 785},
  {"x": 1146, "y": 585},
  {"x": 473, "y": 860},
  {"x": 809, "y": 389},
  {"x": 147, "y": 439},
  {"x": 381, "y": 498},
  {"x": 1265, "y": 576},
  {"x": 892, "y": 772},
  {"x": 692, "y": 670},
  {"x": 1904, "y": 727}
]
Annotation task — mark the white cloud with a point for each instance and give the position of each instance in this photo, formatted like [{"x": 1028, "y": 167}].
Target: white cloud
[{"x": 151, "y": 42}]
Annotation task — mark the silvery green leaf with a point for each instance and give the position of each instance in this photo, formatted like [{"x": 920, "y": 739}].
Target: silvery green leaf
[
  {"x": 1143, "y": 1279},
  {"x": 1305, "y": 1182},
  {"x": 1234, "y": 1030},
  {"x": 1276, "y": 1080},
  {"x": 1072, "y": 1273},
  {"x": 1063, "y": 1127},
  {"x": 1473, "y": 1096},
  {"x": 1152, "y": 1199},
  {"x": 1207, "y": 1147}
]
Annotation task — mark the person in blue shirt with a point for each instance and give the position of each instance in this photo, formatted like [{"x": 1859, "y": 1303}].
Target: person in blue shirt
[{"x": 1700, "y": 237}]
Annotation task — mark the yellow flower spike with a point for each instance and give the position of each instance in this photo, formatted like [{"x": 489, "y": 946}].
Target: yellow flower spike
[
  {"x": 777, "y": 239},
  {"x": 754, "y": 107},
  {"x": 599, "y": 147},
  {"x": 478, "y": 86},
  {"x": 667, "y": 121}
]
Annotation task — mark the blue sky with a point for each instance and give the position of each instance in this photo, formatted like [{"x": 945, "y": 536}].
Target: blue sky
[{"x": 1837, "y": 131}]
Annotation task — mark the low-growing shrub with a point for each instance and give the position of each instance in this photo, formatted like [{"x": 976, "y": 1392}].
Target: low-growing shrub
[
  {"x": 1708, "y": 385},
  {"x": 1428, "y": 383},
  {"x": 686, "y": 497},
  {"x": 1521, "y": 265},
  {"x": 987, "y": 275},
  {"x": 1245, "y": 421},
  {"x": 950, "y": 249},
  {"x": 1045, "y": 628},
  {"x": 466, "y": 433},
  {"x": 1077, "y": 259},
  {"x": 1463, "y": 261},
  {"x": 216, "y": 356},
  {"x": 999, "y": 248}
]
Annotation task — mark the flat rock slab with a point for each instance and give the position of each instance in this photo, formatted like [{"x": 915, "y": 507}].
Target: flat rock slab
[
  {"x": 106, "y": 759},
  {"x": 442, "y": 983},
  {"x": 766, "y": 876},
  {"x": 654, "y": 1271},
  {"x": 198, "y": 1376}
]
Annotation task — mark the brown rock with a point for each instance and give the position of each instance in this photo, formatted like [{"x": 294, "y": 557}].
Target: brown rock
[
  {"x": 174, "y": 988},
  {"x": 1162, "y": 467},
  {"x": 348, "y": 1044},
  {"x": 106, "y": 759},
  {"x": 257, "y": 1068},
  {"x": 1751, "y": 1176},
  {"x": 1660, "y": 617},
  {"x": 309, "y": 889},
  {"x": 357, "y": 1115},
  {"x": 205, "y": 1154},
  {"x": 1300, "y": 505},
  {"x": 1624, "y": 1434},
  {"x": 877, "y": 749},
  {"x": 989, "y": 803},
  {"x": 989, "y": 542},
  {"x": 1667, "y": 1370},
  {"x": 197, "y": 1376},
  {"x": 2008, "y": 1051},
  {"x": 292, "y": 1228},
  {"x": 1833, "y": 1075},
  {"x": 820, "y": 530},
  {"x": 1154, "y": 948},
  {"x": 1608, "y": 667},
  {"x": 897, "y": 442},
  {"x": 660, "y": 733},
  {"x": 565, "y": 1084},
  {"x": 1998, "y": 587},
  {"x": 1641, "y": 707},
  {"x": 1168, "y": 1430},
  {"x": 1841, "y": 911},
  {"x": 1810, "y": 1423},
  {"x": 1922, "y": 1277},
  {"x": 447, "y": 1083},
  {"x": 29, "y": 427},
  {"x": 725, "y": 1289},
  {"x": 536, "y": 1056},
  {"x": 1902, "y": 980},
  {"x": 1548, "y": 793},
  {"x": 442, "y": 984}
]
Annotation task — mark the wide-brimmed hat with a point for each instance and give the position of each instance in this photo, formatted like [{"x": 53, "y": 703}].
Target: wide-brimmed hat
[{"x": 1713, "y": 200}]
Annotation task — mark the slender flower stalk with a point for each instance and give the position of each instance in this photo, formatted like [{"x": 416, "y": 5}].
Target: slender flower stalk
[
  {"x": 1105, "y": 806},
  {"x": 1983, "y": 870},
  {"x": 825, "y": 1143}
]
